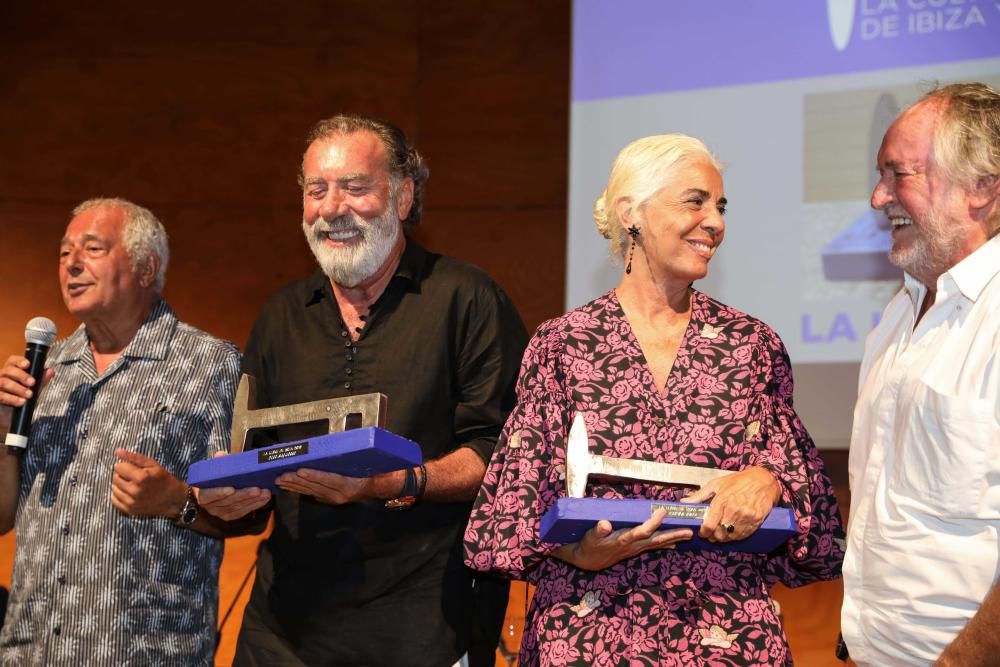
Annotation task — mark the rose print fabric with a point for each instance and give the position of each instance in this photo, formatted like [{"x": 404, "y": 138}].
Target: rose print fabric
[{"x": 727, "y": 404}]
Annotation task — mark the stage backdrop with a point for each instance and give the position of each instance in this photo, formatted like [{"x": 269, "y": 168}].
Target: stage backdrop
[{"x": 794, "y": 98}]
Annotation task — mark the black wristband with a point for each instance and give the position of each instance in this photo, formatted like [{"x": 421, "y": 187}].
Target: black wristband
[
  {"x": 407, "y": 495},
  {"x": 423, "y": 481}
]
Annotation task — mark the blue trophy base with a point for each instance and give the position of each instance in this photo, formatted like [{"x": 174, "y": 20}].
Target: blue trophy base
[
  {"x": 570, "y": 518},
  {"x": 359, "y": 452}
]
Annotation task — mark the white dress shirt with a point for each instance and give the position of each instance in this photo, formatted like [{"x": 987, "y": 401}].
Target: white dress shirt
[{"x": 922, "y": 546}]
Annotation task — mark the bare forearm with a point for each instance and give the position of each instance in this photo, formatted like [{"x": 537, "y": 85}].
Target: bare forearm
[
  {"x": 978, "y": 643},
  {"x": 453, "y": 478}
]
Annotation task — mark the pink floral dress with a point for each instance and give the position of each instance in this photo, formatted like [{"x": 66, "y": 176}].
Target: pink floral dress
[{"x": 727, "y": 404}]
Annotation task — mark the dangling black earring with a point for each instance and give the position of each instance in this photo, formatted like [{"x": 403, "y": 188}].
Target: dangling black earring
[{"x": 633, "y": 231}]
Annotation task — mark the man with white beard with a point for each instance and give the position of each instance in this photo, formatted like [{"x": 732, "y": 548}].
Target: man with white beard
[
  {"x": 345, "y": 579},
  {"x": 923, "y": 549}
]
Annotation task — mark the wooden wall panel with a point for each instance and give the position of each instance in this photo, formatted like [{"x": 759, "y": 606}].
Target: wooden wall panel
[{"x": 198, "y": 111}]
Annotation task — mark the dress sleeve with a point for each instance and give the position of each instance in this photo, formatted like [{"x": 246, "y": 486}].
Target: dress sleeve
[
  {"x": 785, "y": 448},
  {"x": 527, "y": 471}
]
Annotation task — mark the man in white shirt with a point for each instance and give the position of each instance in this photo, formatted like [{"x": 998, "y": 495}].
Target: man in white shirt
[{"x": 923, "y": 549}]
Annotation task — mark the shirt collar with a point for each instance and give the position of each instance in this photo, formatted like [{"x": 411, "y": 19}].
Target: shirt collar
[
  {"x": 151, "y": 341},
  {"x": 970, "y": 276},
  {"x": 409, "y": 269},
  {"x": 975, "y": 272}
]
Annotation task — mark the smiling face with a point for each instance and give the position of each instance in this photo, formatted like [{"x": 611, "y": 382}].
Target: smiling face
[
  {"x": 682, "y": 225},
  {"x": 96, "y": 276},
  {"x": 931, "y": 229},
  {"x": 351, "y": 210}
]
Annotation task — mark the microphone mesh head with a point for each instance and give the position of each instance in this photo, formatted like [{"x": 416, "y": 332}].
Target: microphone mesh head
[{"x": 40, "y": 331}]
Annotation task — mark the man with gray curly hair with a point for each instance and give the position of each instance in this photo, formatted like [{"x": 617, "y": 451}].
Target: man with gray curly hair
[
  {"x": 920, "y": 574},
  {"x": 143, "y": 235},
  {"x": 114, "y": 563},
  {"x": 368, "y": 571}
]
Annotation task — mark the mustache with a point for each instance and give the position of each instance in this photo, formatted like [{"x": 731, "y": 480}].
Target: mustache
[{"x": 344, "y": 223}]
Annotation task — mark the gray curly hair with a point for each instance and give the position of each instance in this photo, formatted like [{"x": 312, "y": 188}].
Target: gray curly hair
[
  {"x": 142, "y": 235},
  {"x": 967, "y": 137}
]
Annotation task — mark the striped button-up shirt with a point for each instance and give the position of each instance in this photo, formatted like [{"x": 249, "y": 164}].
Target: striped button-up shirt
[{"x": 92, "y": 586}]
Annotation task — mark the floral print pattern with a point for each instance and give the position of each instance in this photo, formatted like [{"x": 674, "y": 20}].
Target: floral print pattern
[{"x": 727, "y": 404}]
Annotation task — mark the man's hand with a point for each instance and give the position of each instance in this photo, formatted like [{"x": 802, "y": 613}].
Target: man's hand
[
  {"x": 229, "y": 504},
  {"x": 142, "y": 487},
  {"x": 16, "y": 387},
  {"x": 602, "y": 547},
  {"x": 741, "y": 501},
  {"x": 327, "y": 487}
]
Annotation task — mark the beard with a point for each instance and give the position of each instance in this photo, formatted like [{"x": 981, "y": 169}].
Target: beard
[
  {"x": 931, "y": 250},
  {"x": 352, "y": 264}
]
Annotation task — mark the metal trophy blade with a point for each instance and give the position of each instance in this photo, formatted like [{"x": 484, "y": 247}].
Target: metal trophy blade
[
  {"x": 581, "y": 464},
  {"x": 340, "y": 414}
]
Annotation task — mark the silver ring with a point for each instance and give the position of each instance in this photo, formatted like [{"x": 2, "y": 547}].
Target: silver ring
[{"x": 730, "y": 528}]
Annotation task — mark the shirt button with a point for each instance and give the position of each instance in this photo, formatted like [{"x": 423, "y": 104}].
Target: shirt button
[
  {"x": 347, "y": 385},
  {"x": 65, "y": 530},
  {"x": 348, "y": 371},
  {"x": 343, "y": 334},
  {"x": 349, "y": 357},
  {"x": 72, "y": 480},
  {"x": 347, "y": 343},
  {"x": 62, "y": 579},
  {"x": 56, "y": 630},
  {"x": 659, "y": 422}
]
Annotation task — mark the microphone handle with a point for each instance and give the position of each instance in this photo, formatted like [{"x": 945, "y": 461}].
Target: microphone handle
[{"x": 20, "y": 423}]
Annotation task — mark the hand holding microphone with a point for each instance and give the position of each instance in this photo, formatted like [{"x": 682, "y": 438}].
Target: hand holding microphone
[{"x": 21, "y": 379}]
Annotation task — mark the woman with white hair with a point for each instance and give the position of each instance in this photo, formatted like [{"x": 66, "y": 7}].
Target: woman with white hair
[{"x": 660, "y": 372}]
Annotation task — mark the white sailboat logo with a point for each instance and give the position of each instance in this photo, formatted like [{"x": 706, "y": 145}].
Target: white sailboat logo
[{"x": 841, "y": 16}]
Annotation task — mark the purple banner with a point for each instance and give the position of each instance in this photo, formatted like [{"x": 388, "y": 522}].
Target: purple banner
[{"x": 641, "y": 47}]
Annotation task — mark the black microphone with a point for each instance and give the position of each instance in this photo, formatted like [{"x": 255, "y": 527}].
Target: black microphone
[{"x": 39, "y": 335}]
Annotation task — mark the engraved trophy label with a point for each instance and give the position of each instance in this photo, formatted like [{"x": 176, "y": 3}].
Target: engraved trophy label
[
  {"x": 283, "y": 452},
  {"x": 679, "y": 511}
]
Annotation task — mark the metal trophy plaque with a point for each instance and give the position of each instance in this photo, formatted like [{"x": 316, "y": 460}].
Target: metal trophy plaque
[
  {"x": 341, "y": 414},
  {"x": 355, "y": 445},
  {"x": 574, "y": 515}
]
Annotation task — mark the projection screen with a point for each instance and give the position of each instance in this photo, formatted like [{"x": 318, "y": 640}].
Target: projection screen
[{"x": 793, "y": 97}]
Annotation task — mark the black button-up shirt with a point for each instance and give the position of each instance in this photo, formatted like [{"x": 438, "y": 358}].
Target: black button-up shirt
[{"x": 359, "y": 584}]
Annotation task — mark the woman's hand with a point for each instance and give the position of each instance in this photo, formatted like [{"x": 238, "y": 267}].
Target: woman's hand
[
  {"x": 602, "y": 547},
  {"x": 739, "y": 504}
]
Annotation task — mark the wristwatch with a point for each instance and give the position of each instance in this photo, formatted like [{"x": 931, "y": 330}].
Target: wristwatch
[{"x": 189, "y": 511}]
